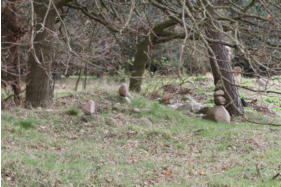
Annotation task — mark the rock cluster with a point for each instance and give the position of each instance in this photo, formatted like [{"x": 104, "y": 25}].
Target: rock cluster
[
  {"x": 219, "y": 98},
  {"x": 218, "y": 113}
]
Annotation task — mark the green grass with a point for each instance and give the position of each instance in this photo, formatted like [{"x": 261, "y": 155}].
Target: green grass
[
  {"x": 49, "y": 147},
  {"x": 73, "y": 111}
]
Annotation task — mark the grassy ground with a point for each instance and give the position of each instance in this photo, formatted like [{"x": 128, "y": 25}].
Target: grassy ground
[{"x": 59, "y": 146}]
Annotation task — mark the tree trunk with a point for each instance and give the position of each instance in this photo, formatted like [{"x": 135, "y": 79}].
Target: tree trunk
[
  {"x": 221, "y": 68},
  {"x": 139, "y": 66},
  {"x": 12, "y": 30},
  {"x": 39, "y": 90},
  {"x": 141, "y": 55}
]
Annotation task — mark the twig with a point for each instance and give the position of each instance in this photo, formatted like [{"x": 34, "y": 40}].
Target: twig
[
  {"x": 258, "y": 171},
  {"x": 275, "y": 176}
]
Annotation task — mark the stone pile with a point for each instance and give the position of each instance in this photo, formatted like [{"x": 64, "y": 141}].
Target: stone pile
[{"x": 218, "y": 113}]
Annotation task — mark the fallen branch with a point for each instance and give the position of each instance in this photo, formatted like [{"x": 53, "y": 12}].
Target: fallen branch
[{"x": 259, "y": 123}]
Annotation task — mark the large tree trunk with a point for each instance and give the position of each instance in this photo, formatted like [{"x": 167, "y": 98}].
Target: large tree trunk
[
  {"x": 39, "y": 90},
  {"x": 221, "y": 68},
  {"x": 141, "y": 55},
  {"x": 12, "y": 31}
]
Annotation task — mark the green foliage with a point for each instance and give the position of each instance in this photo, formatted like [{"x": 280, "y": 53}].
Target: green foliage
[
  {"x": 212, "y": 86},
  {"x": 73, "y": 111},
  {"x": 272, "y": 100},
  {"x": 200, "y": 78},
  {"x": 210, "y": 100},
  {"x": 242, "y": 96},
  {"x": 26, "y": 123},
  {"x": 7, "y": 117}
]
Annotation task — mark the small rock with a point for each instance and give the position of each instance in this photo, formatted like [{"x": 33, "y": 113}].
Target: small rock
[
  {"x": 146, "y": 122},
  {"x": 175, "y": 105},
  {"x": 127, "y": 99},
  {"x": 219, "y": 93},
  {"x": 219, "y": 85},
  {"x": 191, "y": 106},
  {"x": 220, "y": 100},
  {"x": 136, "y": 110},
  {"x": 218, "y": 114},
  {"x": 166, "y": 98},
  {"x": 89, "y": 107},
  {"x": 123, "y": 90},
  {"x": 203, "y": 110}
]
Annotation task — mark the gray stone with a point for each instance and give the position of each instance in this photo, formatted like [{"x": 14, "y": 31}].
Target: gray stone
[
  {"x": 219, "y": 93},
  {"x": 146, "y": 122},
  {"x": 219, "y": 86},
  {"x": 128, "y": 100},
  {"x": 175, "y": 105},
  {"x": 218, "y": 114},
  {"x": 124, "y": 91},
  {"x": 220, "y": 100},
  {"x": 89, "y": 107},
  {"x": 191, "y": 106},
  {"x": 203, "y": 110},
  {"x": 136, "y": 110}
]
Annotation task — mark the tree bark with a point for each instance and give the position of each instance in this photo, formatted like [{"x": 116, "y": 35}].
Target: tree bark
[
  {"x": 141, "y": 55},
  {"x": 39, "y": 90},
  {"x": 12, "y": 30},
  {"x": 221, "y": 68},
  {"x": 139, "y": 66}
]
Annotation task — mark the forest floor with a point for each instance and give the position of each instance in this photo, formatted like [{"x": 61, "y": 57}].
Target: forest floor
[{"x": 156, "y": 145}]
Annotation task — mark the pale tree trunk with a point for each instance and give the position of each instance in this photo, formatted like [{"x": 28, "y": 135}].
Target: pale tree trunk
[
  {"x": 222, "y": 59},
  {"x": 139, "y": 66},
  {"x": 39, "y": 90}
]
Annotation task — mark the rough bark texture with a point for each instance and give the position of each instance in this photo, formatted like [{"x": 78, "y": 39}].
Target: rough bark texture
[
  {"x": 39, "y": 91},
  {"x": 11, "y": 31},
  {"x": 233, "y": 101},
  {"x": 141, "y": 55}
]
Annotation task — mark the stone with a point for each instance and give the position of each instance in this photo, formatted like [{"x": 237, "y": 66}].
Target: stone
[
  {"x": 136, "y": 110},
  {"x": 175, "y": 105},
  {"x": 146, "y": 122},
  {"x": 203, "y": 110},
  {"x": 219, "y": 93},
  {"x": 218, "y": 114},
  {"x": 219, "y": 85},
  {"x": 128, "y": 100},
  {"x": 191, "y": 106},
  {"x": 123, "y": 90},
  {"x": 166, "y": 98},
  {"x": 220, "y": 100},
  {"x": 89, "y": 107}
]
